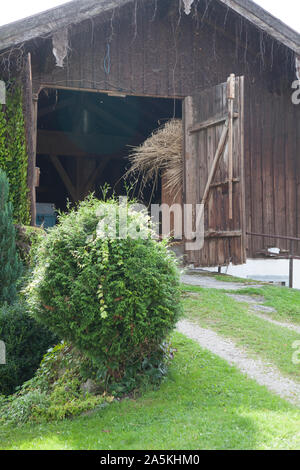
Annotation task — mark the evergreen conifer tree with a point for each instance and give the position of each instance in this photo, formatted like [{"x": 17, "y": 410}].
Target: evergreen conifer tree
[{"x": 10, "y": 264}]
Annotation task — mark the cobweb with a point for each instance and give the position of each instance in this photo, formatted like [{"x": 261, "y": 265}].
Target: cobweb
[
  {"x": 60, "y": 46},
  {"x": 187, "y": 6}
]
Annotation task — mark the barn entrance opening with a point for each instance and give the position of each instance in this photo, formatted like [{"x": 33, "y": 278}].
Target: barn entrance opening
[{"x": 84, "y": 140}]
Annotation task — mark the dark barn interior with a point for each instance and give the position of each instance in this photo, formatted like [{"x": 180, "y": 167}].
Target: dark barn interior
[{"x": 84, "y": 140}]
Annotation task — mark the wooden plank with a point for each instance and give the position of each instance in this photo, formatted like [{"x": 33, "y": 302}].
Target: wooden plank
[
  {"x": 230, "y": 97},
  {"x": 211, "y": 122},
  {"x": 241, "y": 124},
  {"x": 190, "y": 169},
  {"x": 224, "y": 183},
  {"x": 94, "y": 175},
  {"x": 212, "y": 234}
]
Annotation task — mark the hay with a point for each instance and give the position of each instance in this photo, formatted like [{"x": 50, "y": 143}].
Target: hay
[{"x": 160, "y": 155}]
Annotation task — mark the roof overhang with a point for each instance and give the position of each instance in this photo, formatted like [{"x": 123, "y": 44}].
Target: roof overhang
[
  {"x": 266, "y": 22},
  {"x": 49, "y": 21},
  {"x": 75, "y": 11}
]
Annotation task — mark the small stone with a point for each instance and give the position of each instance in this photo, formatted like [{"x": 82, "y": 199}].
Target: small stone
[{"x": 90, "y": 387}]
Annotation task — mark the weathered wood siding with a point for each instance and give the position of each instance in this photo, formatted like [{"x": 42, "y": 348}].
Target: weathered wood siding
[
  {"x": 150, "y": 49},
  {"x": 272, "y": 168}
]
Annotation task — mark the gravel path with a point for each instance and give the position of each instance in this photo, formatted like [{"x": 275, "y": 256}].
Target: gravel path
[
  {"x": 264, "y": 373},
  {"x": 259, "y": 310},
  {"x": 212, "y": 283}
]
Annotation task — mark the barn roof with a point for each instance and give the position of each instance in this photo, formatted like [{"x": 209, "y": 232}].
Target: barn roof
[{"x": 76, "y": 11}]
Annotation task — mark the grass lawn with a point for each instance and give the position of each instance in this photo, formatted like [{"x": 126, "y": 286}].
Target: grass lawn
[
  {"x": 204, "y": 404},
  {"x": 213, "y": 309}
]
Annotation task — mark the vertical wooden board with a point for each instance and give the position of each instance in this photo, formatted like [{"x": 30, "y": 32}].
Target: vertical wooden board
[
  {"x": 241, "y": 125},
  {"x": 279, "y": 203},
  {"x": 201, "y": 181},
  {"x": 248, "y": 192},
  {"x": 150, "y": 52},
  {"x": 86, "y": 55},
  {"x": 137, "y": 55},
  {"x": 266, "y": 170},
  {"x": 221, "y": 256},
  {"x": 297, "y": 134},
  {"x": 254, "y": 130},
  {"x": 112, "y": 45},
  {"x": 291, "y": 170},
  {"x": 190, "y": 182},
  {"x": 125, "y": 52}
]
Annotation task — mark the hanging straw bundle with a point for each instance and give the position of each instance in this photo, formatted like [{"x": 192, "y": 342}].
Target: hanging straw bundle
[{"x": 160, "y": 155}]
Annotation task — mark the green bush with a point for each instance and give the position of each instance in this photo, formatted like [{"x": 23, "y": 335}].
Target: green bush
[
  {"x": 28, "y": 240},
  {"x": 115, "y": 300},
  {"x": 26, "y": 342},
  {"x": 10, "y": 265}
]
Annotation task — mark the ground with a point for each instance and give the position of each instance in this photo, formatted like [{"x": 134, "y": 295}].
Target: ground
[{"x": 208, "y": 401}]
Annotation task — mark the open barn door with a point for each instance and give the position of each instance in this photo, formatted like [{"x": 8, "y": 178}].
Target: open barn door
[{"x": 214, "y": 170}]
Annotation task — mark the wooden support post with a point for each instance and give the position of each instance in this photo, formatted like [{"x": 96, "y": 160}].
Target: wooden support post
[
  {"x": 291, "y": 267},
  {"x": 35, "y": 99},
  {"x": 94, "y": 175},
  {"x": 291, "y": 272},
  {"x": 231, "y": 98},
  {"x": 30, "y": 104}
]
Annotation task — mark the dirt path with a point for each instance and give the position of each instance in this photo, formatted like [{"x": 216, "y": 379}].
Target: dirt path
[{"x": 264, "y": 373}]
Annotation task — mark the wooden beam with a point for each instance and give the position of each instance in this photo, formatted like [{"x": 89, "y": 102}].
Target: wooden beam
[
  {"x": 210, "y": 123},
  {"x": 215, "y": 163},
  {"x": 224, "y": 183},
  {"x": 64, "y": 176},
  {"x": 62, "y": 143},
  {"x": 55, "y": 107},
  {"x": 229, "y": 234},
  {"x": 94, "y": 175}
]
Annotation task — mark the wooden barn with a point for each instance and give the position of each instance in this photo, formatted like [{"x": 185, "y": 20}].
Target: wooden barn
[{"x": 100, "y": 75}]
